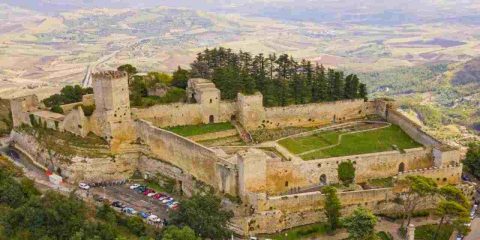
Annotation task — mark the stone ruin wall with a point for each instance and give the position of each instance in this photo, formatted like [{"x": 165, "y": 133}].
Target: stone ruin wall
[
  {"x": 178, "y": 114},
  {"x": 78, "y": 168},
  {"x": 302, "y": 174},
  {"x": 199, "y": 161}
]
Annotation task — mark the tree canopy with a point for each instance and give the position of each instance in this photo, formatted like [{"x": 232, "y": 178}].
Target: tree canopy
[
  {"x": 281, "y": 79},
  {"x": 68, "y": 94},
  {"x": 361, "y": 224},
  {"x": 332, "y": 207},
  {"x": 176, "y": 233},
  {"x": 27, "y": 215},
  {"x": 204, "y": 215},
  {"x": 472, "y": 159},
  {"x": 346, "y": 172}
]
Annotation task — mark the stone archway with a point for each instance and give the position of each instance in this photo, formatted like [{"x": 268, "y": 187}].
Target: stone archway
[
  {"x": 323, "y": 179},
  {"x": 401, "y": 167}
]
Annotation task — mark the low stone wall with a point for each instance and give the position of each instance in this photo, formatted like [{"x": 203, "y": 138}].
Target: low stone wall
[
  {"x": 214, "y": 135},
  {"x": 199, "y": 161}
]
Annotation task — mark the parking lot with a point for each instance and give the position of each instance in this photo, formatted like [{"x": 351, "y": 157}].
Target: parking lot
[{"x": 132, "y": 199}]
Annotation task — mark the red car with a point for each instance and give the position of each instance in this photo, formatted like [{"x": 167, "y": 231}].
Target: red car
[
  {"x": 158, "y": 195},
  {"x": 146, "y": 192}
]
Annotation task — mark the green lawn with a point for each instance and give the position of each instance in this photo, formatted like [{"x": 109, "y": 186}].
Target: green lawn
[
  {"x": 192, "y": 130},
  {"x": 303, "y": 144},
  {"x": 356, "y": 143},
  {"x": 426, "y": 232},
  {"x": 304, "y": 232}
]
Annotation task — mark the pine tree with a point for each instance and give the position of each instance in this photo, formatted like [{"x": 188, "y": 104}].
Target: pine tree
[{"x": 362, "y": 92}]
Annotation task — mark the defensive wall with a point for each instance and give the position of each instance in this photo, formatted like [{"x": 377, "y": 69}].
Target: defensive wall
[
  {"x": 282, "y": 176},
  {"x": 177, "y": 114},
  {"x": 199, "y": 161}
]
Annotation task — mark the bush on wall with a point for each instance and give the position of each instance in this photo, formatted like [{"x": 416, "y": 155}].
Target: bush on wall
[{"x": 346, "y": 172}]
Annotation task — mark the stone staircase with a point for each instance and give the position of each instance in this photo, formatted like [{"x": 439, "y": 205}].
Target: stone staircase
[{"x": 244, "y": 134}]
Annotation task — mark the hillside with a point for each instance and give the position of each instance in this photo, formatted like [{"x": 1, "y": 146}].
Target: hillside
[{"x": 5, "y": 118}]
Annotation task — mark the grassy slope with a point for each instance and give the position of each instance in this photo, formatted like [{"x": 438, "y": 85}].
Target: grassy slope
[
  {"x": 351, "y": 144},
  {"x": 5, "y": 119},
  {"x": 192, "y": 130}
]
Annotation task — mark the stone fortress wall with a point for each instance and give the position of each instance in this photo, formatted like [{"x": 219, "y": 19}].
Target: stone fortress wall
[
  {"x": 199, "y": 161},
  {"x": 261, "y": 179}
]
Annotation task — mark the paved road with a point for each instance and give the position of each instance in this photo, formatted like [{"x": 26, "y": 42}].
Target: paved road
[{"x": 475, "y": 233}]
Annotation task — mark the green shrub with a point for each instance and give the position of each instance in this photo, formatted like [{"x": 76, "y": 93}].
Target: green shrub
[
  {"x": 346, "y": 172},
  {"x": 57, "y": 109},
  {"x": 88, "y": 110}
]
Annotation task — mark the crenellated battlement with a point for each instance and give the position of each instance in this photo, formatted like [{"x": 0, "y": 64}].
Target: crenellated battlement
[{"x": 109, "y": 75}]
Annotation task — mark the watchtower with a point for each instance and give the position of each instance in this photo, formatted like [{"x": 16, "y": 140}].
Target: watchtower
[
  {"x": 205, "y": 93},
  {"x": 112, "y": 105}
]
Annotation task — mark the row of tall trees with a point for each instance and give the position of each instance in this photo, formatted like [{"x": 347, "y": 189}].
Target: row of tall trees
[{"x": 281, "y": 79}]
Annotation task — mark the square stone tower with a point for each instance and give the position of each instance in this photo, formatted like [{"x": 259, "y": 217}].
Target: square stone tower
[
  {"x": 112, "y": 106},
  {"x": 204, "y": 92}
]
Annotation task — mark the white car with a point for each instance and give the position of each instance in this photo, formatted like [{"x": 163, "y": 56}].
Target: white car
[
  {"x": 151, "y": 194},
  {"x": 133, "y": 186},
  {"x": 84, "y": 186},
  {"x": 153, "y": 218},
  {"x": 167, "y": 200}
]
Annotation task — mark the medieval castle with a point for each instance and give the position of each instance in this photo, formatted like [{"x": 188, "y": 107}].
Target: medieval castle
[{"x": 276, "y": 187}]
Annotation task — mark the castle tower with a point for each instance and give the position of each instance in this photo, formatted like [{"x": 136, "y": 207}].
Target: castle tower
[
  {"x": 251, "y": 112},
  {"x": 204, "y": 92},
  {"x": 112, "y": 106}
]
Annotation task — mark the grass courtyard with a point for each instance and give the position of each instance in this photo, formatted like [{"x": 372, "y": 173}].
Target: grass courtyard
[
  {"x": 193, "y": 130},
  {"x": 324, "y": 144}
]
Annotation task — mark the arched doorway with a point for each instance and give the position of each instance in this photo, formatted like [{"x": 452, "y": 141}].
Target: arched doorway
[
  {"x": 401, "y": 167},
  {"x": 211, "y": 119},
  {"x": 323, "y": 179},
  {"x": 334, "y": 118}
]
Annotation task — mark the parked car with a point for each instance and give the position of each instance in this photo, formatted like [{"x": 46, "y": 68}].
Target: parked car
[
  {"x": 84, "y": 186},
  {"x": 466, "y": 178},
  {"x": 167, "y": 200},
  {"x": 118, "y": 204},
  {"x": 163, "y": 197},
  {"x": 459, "y": 237},
  {"x": 143, "y": 214},
  {"x": 474, "y": 210},
  {"x": 140, "y": 189},
  {"x": 129, "y": 210},
  {"x": 158, "y": 195},
  {"x": 151, "y": 194},
  {"x": 172, "y": 205},
  {"x": 154, "y": 218},
  {"x": 147, "y": 191},
  {"x": 133, "y": 186}
]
